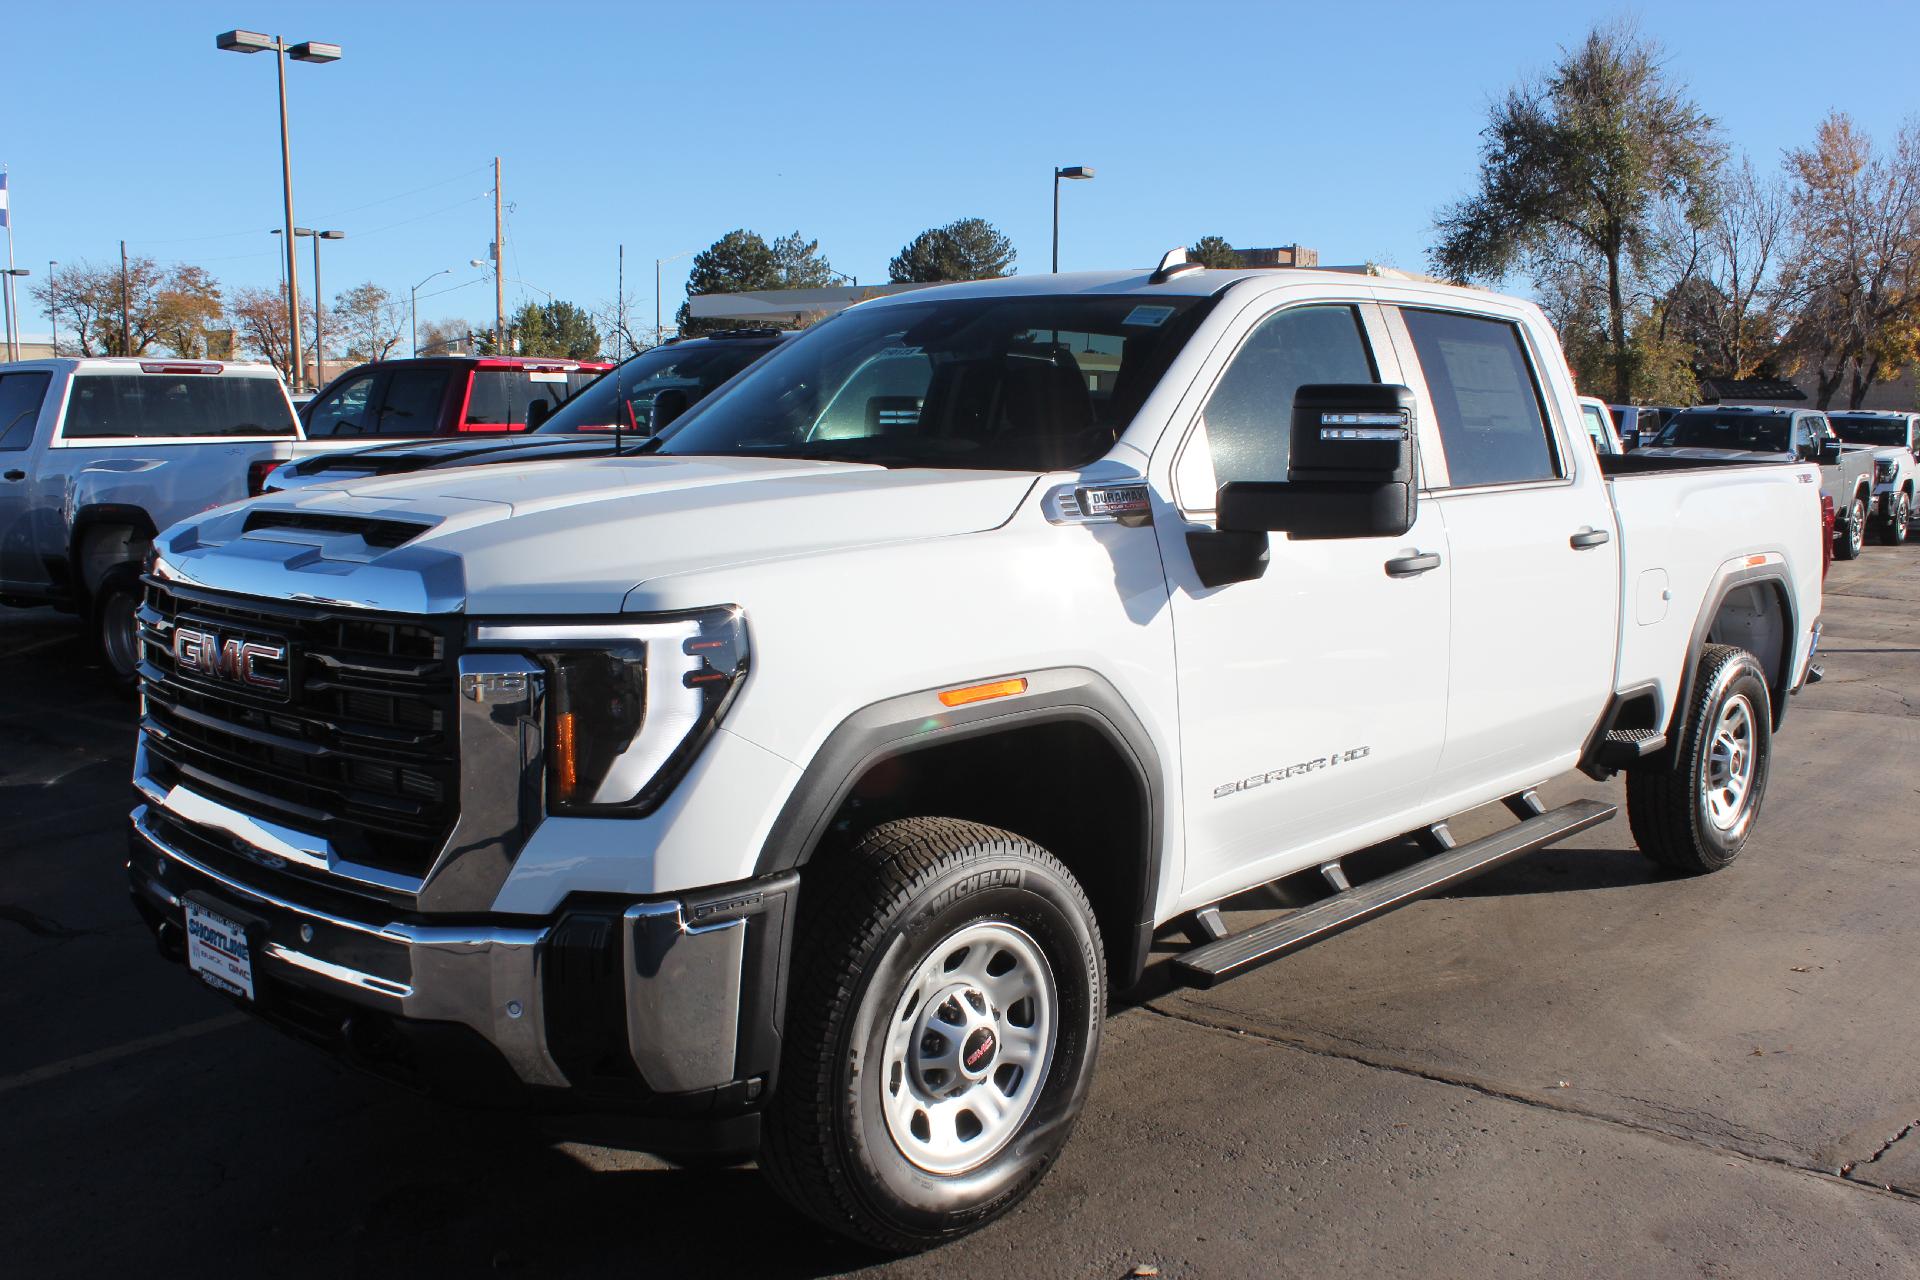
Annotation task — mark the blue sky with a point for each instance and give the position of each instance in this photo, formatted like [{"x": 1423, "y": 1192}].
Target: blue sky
[{"x": 1341, "y": 126}]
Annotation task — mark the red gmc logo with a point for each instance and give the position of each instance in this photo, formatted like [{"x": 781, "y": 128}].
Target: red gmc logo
[{"x": 205, "y": 653}]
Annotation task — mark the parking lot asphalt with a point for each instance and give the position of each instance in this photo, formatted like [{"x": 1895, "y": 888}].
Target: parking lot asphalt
[{"x": 1575, "y": 1065}]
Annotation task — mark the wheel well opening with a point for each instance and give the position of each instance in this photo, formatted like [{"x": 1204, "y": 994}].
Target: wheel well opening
[
  {"x": 99, "y": 547},
  {"x": 1062, "y": 784},
  {"x": 1754, "y": 617}
]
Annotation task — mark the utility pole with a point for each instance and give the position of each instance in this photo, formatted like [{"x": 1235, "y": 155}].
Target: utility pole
[
  {"x": 53, "y": 309},
  {"x": 126, "y": 333},
  {"x": 499, "y": 285},
  {"x": 620, "y": 303}
]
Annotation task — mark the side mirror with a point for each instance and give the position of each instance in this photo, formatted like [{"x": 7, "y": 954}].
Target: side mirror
[
  {"x": 538, "y": 411},
  {"x": 1829, "y": 452},
  {"x": 1350, "y": 473}
]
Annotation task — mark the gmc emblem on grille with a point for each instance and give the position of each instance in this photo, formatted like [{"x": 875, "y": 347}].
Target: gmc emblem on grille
[{"x": 205, "y": 653}]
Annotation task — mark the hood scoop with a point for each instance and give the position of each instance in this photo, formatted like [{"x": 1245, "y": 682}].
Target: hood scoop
[{"x": 290, "y": 526}]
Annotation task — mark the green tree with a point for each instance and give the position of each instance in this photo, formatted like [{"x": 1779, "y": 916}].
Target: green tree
[
  {"x": 554, "y": 329},
  {"x": 1213, "y": 251},
  {"x": 966, "y": 249},
  {"x": 1573, "y": 168},
  {"x": 742, "y": 261}
]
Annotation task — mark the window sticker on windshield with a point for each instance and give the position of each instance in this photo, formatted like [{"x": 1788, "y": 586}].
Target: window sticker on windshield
[
  {"x": 1152, "y": 317},
  {"x": 541, "y": 376},
  {"x": 896, "y": 353}
]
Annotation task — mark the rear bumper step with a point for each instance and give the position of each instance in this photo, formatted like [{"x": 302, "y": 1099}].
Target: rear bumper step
[{"x": 1214, "y": 962}]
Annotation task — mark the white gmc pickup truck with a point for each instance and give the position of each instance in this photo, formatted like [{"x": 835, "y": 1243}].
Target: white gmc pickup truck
[{"x": 807, "y": 784}]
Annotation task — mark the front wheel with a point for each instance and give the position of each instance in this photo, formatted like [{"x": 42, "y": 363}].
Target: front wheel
[
  {"x": 1694, "y": 815},
  {"x": 1853, "y": 537},
  {"x": 948, "y": 990},
  {"x": 1899, "y": 513}
]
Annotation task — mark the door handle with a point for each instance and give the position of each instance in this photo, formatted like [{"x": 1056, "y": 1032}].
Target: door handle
[
  {"x": 16, "y": 474},
  {"x": 1588, "y": 538},
  {"x": 1414, "y": 565}
]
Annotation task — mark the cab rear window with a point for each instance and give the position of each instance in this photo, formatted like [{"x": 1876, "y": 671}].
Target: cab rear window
[
  {"x": 174, "y": 405},
  {"x": 501, "y": 397}
]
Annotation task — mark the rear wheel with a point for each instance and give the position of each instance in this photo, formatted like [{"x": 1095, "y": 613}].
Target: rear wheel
[
  {"x": 116, "y": 630},
  {"x": 1694, "y": 815},
  {"x": 948, "y": 989},
  {"x": 1899, "y": 513},
  {"x": 1853, "y": 534}
]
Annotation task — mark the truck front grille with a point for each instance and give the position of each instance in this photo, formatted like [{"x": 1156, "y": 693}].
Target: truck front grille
[{"x": 358, "y": 743}]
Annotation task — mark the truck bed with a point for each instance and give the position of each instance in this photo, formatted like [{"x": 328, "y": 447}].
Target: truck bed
[{"x": 1690, "y": 526}]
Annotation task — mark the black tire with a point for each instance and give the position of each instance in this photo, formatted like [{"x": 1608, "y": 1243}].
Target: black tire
[
  {"x": 1893, "y": 531},
  {"x": 872, "y": 923},
  {"x": 110, "y": 619},
  {"x": 1851, "y": 536},
  {"x": 1678, "y": 814}
]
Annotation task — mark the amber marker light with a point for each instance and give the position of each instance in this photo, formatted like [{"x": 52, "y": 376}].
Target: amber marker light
[
  {"x": 983, "y": 692},
  {"x": 564, "y": 773}
]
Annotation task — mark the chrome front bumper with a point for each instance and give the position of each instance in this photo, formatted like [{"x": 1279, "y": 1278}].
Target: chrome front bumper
[{"x": 689, "y": 986}]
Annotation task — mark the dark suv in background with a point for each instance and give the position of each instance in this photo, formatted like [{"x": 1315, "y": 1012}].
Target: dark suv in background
[
  {"x": 615, "y": 412},
  {"x": 444, "y": 396}
]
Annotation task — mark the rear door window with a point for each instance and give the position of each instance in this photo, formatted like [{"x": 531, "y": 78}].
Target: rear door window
[
  {"x": 20, "y": 398},
  {"x": 1492, "y": 421},
  {"x": 341, "y": 411},
  {"x": 162, "y": 406},
  {"x": 411, "y": 401}
]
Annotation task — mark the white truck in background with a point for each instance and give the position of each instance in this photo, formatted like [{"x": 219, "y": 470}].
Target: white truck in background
[
  {"x": 97, "y": 454},
  {"x": 805, "y": 785}
]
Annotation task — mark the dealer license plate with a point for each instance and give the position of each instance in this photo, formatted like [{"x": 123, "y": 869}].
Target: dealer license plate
[{"x": 217, "y": 950}]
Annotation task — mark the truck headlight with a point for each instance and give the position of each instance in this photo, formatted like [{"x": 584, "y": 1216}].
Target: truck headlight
[{"x": 630, "y": 701}]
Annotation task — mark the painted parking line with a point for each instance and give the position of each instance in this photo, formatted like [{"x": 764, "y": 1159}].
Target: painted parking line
[{"x": 54, "y": 1070}]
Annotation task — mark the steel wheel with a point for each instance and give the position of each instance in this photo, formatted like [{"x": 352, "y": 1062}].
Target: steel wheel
[
  {"x": 1728, "y": 777},
  {"x": 971, "y": 1041}
]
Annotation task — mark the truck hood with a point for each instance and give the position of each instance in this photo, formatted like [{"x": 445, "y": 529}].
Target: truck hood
[
  {"x": 566, "y": 537},
  {"x": 400, "y": 457}
]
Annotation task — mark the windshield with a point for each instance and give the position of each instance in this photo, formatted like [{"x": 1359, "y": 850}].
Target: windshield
[
  {"x": 173, "y": 405},
  {"x": 1007, "y": 383},
  {"x": 692, "y": 370},
  {"x": 1748, "y": 432},
  {"x": 1864, "y": 430}
]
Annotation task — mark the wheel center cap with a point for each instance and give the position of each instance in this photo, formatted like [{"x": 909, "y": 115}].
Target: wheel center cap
[{"x": 978, "y": 1052}]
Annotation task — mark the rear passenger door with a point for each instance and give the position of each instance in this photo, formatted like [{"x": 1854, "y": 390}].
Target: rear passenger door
[{"x": 1535, "y": 583}]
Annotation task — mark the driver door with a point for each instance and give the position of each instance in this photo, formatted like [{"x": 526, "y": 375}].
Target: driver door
[{"x": 1313, "y": 697}]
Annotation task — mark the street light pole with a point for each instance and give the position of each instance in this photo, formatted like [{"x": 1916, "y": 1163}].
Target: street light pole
[
  {"x": 413, "y": 309},
  {"x": 239, "y": 41},
  {"x": 319, "y": 348},
  {"x": 1071, "y": 172},
  {"x": 53, "y": 309}
]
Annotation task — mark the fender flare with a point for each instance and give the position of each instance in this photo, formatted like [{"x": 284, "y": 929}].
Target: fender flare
[
  {"x": 901, "y": 725},
  {"x": 93, "y": 516},
  {"x": 1724, "y": 586}
]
